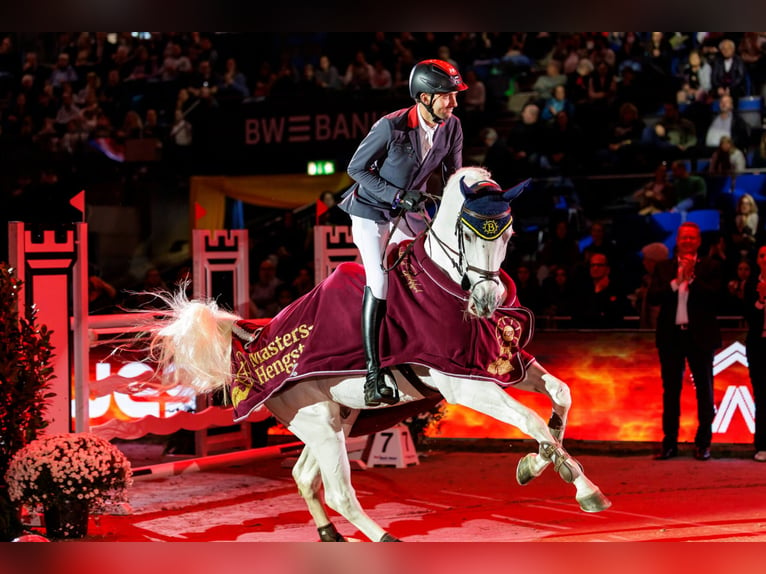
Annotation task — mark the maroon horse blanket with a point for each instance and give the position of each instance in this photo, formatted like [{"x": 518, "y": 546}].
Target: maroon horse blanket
[{"x": 426, "y": 324}]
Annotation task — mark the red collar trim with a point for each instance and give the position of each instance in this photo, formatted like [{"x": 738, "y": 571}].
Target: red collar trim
[{"x": 412, "y": 117}]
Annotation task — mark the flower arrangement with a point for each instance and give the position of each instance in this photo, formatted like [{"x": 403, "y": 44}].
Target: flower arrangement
[{"x": 57, "y": 468}]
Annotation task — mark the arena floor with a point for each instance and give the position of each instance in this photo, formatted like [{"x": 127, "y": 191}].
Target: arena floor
[{"x": 452, "y": 495}]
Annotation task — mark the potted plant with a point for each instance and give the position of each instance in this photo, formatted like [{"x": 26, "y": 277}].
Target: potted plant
[
  {"x": 69, "y": 476},
  {"x": 25, "y": 375}
]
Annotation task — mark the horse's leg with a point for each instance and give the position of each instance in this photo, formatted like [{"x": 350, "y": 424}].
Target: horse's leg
[
  {"x": 486, "y": 397},
  {"x": 308, "y": 478},
  {"x": 539, "y": 380},
  {"x": 319, "y": 426}
]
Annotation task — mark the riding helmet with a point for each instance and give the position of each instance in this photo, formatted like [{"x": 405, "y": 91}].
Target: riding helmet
[{"x": 435, "y": 77}]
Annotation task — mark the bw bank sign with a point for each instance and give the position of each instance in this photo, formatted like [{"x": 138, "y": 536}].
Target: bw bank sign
[
  {"x": 309, "y": 128},
  {"x": 737, "y": 398}
]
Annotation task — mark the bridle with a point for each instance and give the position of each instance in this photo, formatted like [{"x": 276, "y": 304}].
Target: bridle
[{"x": 461, "y": 264}]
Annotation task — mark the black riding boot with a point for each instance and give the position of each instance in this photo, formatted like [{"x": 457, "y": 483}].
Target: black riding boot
[{"x": 376, "y": 390}]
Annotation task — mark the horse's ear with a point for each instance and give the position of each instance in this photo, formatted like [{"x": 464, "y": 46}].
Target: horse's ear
[
  {"x": 464, "y": 189},
  {"x": 512, "y": 193}
]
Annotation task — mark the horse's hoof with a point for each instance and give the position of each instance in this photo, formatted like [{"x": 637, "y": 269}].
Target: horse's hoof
[
  {"x": 388, "y": 538},
  {"x": 594, "y": 502},
  {"x": 524, "y": 472},
  {"x": 328, "y": 533}
]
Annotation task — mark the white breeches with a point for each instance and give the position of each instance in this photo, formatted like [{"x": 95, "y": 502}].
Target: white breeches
[{"x": 371, "y": 238}]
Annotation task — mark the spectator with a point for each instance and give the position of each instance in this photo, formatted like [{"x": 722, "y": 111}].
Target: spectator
[
  {"x": 745, "y": 229},
  {"x": 695, "y": 77},
  {"x": 263, "y": 291},
  {"x": 651, "y": 254},
  {"x": 728, "y": 76},
  {"x": 553, "y": 77},
  {"x": 33, "y": 68},
  {"x": 759, "y": 158},
  {"x": 623, "y": 139},
  {"x": 751, "y": 50},
  {"x": 528, "y": 290},
  {"x": 727, "y": 123},
  {"x": 181, "y": 132},
  {"x": 204, "y": 77},
  {"x": 526, "y": 141},
  {"x": 327, "y": 74},
  {"x": 578, "y": 84},
  {"x": 687, "y": 289},
  {"x": 92, "y": 85},
  {"x": 102, "y": 297},
  {"x": 68, "y": 111},
  {"x": 727, "y": 159},
  {"x": 558, "y": 102},
  {"x": 497, "y": 157},
  {"x": 303, "y": 282},
  {"x": 151, "y": 125},
  {"x": 381, "y": 78},
  {"x": 332, "y": 214},
  {"x": 755, "y": 344},
  {"x": 734, "y": 301},
  {"x": 672, "y": 137},
  {"x": 63, "y": 72},
  {"x": 73, "y": 141},
  {"x": 690, "y": 191},
  {"x": 564, "y": 154},
  {"x": 602, "y": 86},
  {"x": 657, "y": 195},
  {"x": 600, "y": 243},
  {"x": 142, "y": 66},
  {"x": 233, "y": 82},
  {"x": 558, "y": 297},
  {"x": 359, "y": 73},
  {"x": 132, "y": 126},
  {"x": 600, "y": 304},
  {"x": 474, "y": 102},
  {"x": 560, "y": 249},
  {"x": 175, "y": 65},
  {"x": 656, "y": 67}
]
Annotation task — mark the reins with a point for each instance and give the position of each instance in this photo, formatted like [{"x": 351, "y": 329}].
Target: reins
[{"x": 460, "y": 267}]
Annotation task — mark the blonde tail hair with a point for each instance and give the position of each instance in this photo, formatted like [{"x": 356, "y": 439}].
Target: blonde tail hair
[{"x": 192, "y": 345}]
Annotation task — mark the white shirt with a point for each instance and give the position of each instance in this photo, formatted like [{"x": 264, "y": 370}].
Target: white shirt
[
  {"x": 682, "y": 313},
  {"x": 426, "y": 135},
  {"x": 718, "y": 127}
]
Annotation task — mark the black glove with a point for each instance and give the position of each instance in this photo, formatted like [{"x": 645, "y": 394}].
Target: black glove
[{"x": 411, "y": 200}]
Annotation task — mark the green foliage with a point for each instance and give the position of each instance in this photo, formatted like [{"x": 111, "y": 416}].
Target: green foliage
[{"x": 25, "y": 377}]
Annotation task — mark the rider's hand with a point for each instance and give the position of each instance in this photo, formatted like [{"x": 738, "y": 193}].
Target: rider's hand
[{"x": 410, "y": 200}]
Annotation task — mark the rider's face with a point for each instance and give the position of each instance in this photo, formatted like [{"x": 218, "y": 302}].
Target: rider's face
[{"x": 443, "y": 104}]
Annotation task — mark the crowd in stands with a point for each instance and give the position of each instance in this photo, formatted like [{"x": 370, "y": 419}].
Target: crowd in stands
[{"x": 684, "y": 106}]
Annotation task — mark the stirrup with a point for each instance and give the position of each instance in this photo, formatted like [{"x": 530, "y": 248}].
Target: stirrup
[{"x": 376, "y": 391}]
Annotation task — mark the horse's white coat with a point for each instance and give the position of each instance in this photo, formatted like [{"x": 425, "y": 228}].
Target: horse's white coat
[{"x": 321, "y": 411}]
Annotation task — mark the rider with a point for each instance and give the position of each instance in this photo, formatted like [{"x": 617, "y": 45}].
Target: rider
[{"x": 391, "y": 168}]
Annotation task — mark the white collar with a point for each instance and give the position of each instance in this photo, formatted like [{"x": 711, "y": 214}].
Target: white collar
[{"x": 428, "y": 130}]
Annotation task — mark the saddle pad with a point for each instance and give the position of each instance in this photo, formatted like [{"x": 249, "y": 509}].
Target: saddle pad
[{"x": 426, "y": 324}]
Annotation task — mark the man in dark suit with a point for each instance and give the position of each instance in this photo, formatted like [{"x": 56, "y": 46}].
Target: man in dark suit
[
  {"x": 755, "y": 342},
  {"x": 686, "y": 288}
]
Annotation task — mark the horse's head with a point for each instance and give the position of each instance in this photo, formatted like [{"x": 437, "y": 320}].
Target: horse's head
[{"x": 482, "y": 225}]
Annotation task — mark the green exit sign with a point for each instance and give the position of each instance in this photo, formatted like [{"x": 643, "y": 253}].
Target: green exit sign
[{"x": 320, "y": 167}]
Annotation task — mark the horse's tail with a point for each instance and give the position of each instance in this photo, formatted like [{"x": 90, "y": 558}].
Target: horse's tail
[{"x": 192, "y": 344}]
